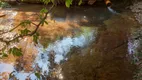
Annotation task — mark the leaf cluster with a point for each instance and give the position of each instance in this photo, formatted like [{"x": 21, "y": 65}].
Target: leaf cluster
[
  {"x": 15, "y": 51},
  {"x": 68, "y": 3}
]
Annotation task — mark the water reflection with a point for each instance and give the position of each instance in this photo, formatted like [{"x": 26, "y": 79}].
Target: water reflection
[
  {"x": 84, "y": 15},
  {"x": 111, "y": 10},
  {"x": 74, "y": 58},
  {"x": 61, "y": 48},
  {"x": 5, "y": 70},
  {"x": 107, "y": 58}
]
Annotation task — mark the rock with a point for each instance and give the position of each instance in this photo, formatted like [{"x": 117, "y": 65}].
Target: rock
[{"x": 2, "y": 15}]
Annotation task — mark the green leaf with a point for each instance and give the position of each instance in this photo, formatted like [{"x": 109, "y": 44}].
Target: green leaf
[
  {"x": 68, "y": 3},
  {"x": 52, "y": 1},
  {"x": 45, "y": 22},
  {"x": 45, "y": 1},
  {"x": 80, "y": 2},
  {"x": 37, "y": 75},
  {"x": 11, "y": 75},
  {"x": 25, "y": 23},
  {"x": 4, "y": 55},
  {"x": 25, "y": 31},
  {"x": 15, "y": 51},
  {"x": 42, "y": 22},
  {"x": 44, "y": 10},
  {"x": 35, "y": 38},
  {"x": 40, "y": 16}
]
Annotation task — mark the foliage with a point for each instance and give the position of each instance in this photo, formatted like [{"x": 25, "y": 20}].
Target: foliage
[
  {"x": 25, "y": 31},
  {"x": 35, "y": 38},
  {"x": 15, "y": 51},
  {"x": 68, "y": 3},
  {"x": 4, "y": 54},
  {"x": 47, "y": 1},
  {"x": 4, "y": 5},
  {"x": 25, "y": 23},
  {"x": 80, "y": 2},
  {"x": 37, "y": 75}
]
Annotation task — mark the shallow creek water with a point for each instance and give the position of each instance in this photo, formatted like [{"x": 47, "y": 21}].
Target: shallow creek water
[{"x": 100, "y": 48}]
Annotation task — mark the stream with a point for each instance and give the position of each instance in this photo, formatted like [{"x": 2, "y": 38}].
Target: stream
[{"x": 83, "y": 43}]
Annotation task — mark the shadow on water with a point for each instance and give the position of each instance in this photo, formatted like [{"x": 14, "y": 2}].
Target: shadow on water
[
  {"x": 84, "y": 15},
  {"x": 108, "y": 57}
]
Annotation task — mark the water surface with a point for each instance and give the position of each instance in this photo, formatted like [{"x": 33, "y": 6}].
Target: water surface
[{"x": 98, "y": 50}]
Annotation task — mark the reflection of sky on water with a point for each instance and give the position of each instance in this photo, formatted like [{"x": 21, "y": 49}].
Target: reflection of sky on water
[
  {"x": 6, "y": 68},
  {"x": 61, "y": 48}
]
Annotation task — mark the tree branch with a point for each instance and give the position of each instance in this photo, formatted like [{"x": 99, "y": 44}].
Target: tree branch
[{"x": 30, "y": 34}]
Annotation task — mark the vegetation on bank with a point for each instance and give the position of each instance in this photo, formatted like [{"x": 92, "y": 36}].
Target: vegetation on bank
[{"x": 4, "y": 5}]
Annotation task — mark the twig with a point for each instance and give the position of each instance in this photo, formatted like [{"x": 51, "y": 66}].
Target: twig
[{"x": 30, "y": 34}]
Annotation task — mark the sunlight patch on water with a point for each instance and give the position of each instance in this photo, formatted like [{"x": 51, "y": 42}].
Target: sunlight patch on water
[{"x": 6, "y": 23}]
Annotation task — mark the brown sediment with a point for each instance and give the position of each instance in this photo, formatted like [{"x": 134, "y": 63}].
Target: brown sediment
[
  {"x": 113, "y": 48},
  {"x": 58, "y": 30},
  {"x": 52, "y": 29},
  {"x": 25, "y": 61},
  {"x": 29, "y": 50}
]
